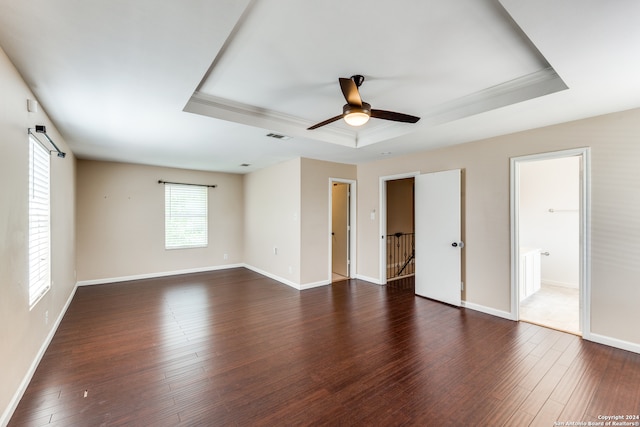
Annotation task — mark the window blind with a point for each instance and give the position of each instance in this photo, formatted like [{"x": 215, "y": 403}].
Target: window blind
[
  {"x": 185, "y": 216},
  {"x": 39, "y": 222}
]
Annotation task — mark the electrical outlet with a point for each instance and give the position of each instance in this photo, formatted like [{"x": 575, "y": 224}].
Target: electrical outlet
[
  {"x": 46, "y": 317},
  {"x": 225, "y": 256},
  {"x": 290, "y": 270},
  {"x": 275, "y": 250}
]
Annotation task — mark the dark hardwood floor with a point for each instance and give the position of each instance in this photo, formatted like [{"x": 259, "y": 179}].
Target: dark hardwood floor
[{"x": 235, "y": 348}]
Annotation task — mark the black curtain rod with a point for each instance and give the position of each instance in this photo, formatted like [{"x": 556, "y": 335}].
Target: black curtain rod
[{"x": 185, "y": 183}]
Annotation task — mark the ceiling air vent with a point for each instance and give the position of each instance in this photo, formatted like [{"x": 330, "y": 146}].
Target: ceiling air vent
[{"x": 278, "y": 136}]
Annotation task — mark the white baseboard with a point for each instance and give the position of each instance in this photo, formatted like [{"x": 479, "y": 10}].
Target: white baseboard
[
  {"x": 488, "y": 310},
  {"x": 560, "y": 284},
  {"x": 273, "y": 276},
  {"x": 286, "y": 281},
  {"x": 156, "y": 275},
  {"x": 613, "y": 342},
  {"x": 107, "y": 280},
  {"x": 315, "y": 284},
  {"x": 369, "y": 279},
  {"x": 6, "y": 416}
]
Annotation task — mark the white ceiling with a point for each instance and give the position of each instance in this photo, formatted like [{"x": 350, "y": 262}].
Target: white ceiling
[{"x": 198, "y": 84}]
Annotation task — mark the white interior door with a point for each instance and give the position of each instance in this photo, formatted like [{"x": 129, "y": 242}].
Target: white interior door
[{"x": 438, "y": 243}]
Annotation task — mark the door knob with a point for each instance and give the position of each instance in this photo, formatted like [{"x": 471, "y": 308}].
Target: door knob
[{"x": 458, "y": 244}]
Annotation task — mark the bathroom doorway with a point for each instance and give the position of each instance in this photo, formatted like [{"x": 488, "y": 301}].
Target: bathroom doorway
[{"x": 549, "y": 253}]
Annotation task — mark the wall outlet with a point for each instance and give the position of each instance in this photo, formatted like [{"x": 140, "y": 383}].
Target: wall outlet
[
  {"x": 290, "y": 270},
  {"x": 46, "y": 317},
  {"x": 225, "y": 256},
  {"x": 275, "y": 250}
]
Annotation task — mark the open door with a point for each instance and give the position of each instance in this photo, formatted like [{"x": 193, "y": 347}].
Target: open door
[{"x": 438, "y": 244}]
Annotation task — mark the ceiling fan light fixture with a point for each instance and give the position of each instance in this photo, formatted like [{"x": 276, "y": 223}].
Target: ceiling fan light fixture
[
  {"x": 356, "y": 118},
  {"x": 355, "y": 115}
]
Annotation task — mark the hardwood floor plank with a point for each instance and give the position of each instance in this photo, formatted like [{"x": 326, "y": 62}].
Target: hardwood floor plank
[
  {"x": 540, "y": 394},
  {"x": 232, "y": 347},
  {"x": 549, "y": 414},
  {"x": 520, "y": 418},
  {"x": 594, "y": 358},
  {"x": 569, "y": 382},
  {"x": 618, "y": 391},
  {"x": 500, "y": 410}
]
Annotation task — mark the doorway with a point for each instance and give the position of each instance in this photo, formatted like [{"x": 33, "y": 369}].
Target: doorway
[
  {"x": 397, "y": 201},
  {"x": 340, "y": 232},
  {"x": 549, "y": 252},
  {"x": 400, "y": 236},
  {"x": 341, "y": 229}
]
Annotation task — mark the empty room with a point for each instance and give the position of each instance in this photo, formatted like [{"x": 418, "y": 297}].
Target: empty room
[{"x": 259, "y": 212}]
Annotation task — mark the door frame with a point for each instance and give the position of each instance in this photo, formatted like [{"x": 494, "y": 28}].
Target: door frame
[
  {"x": 382, "y": 218},
  {"x": 351, "y": 235},
  {"x": 585, "y": 230}
]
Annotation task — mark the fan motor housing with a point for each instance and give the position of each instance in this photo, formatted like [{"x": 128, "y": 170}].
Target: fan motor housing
[{"x": 349, "y": 109}]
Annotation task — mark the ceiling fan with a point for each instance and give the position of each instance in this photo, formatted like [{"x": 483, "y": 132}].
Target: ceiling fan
[{"x": 356, "y": 112}]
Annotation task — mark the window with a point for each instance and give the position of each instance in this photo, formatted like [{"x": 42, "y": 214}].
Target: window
[
  {"x": 185, "y": 216},
  {"x": 39, "y": 224}
]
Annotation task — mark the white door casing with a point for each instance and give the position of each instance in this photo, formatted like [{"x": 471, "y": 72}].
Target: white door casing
[
  {"x": 352, "y": 226},
  {"x": 585, "y": 231}
]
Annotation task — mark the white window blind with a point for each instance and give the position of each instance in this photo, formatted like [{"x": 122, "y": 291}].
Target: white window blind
[
  {"x": 39, "y": 223},
  {"x": 185, "y": 214}
]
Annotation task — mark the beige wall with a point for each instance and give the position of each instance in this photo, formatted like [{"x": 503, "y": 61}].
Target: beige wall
[
  {"x": 22, "y": 331},
  {"x": 287, "y": 207},
  {"x": 615, "y": 244},
  {"x": 121, "y": 221},
  {"x": 272, "y": 220},
  {"x": 316, "y": 193}
]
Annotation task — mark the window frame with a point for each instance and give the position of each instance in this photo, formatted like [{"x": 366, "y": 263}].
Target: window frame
[
  {"x": 182, "y": 221},
  {"x": 39, "y": 221}
]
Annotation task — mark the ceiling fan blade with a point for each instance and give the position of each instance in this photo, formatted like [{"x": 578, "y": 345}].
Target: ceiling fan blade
[
  {"x": 393, "y": 116},
  {"x": 326, "y": 122},
  {"x": 350, "y": 92}
]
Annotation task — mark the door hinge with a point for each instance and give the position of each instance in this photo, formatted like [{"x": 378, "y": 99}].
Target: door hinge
[{"x": 461, "y": 286}]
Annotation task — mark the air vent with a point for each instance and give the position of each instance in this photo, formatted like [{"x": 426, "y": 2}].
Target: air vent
[{"x": 278, "y": 136}]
